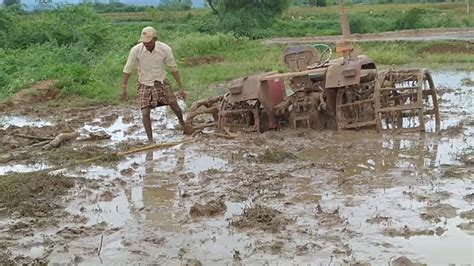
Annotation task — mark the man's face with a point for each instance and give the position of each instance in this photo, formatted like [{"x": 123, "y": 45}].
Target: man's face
[{"x": 150, "y": 45}]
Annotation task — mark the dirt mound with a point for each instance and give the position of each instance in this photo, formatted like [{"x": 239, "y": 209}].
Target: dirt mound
[
  {"x": 434, "y": 213},
  {"x": 108, "y": 120},
  {"x": 211, "y": 208},
  {"x": 69, "y": 154},
  {"x": 275, "y": 155},
  {"x": 5, "y": 258},
  {"x": 468, "y": 227},
  {"x": 469, "y": 198},
  {"x": 41, "y": 91},
  {"x": 260, "y": 217},
  {"x": 328, "y": 218},
  {"x": 203, "y": 60},
  {"x": 404, "y": 261},
  {"x": 467, "y": 158},
  {"x": 467, "y": 82},
  {"x": 32, "y": 194},
  {"x": 6, "y": 106},
  {"x": 468, "y": 215},
  {"x": 406, "y": 232},
  {"x": 453, "y": 130},
  {"x": 82, "y": 231},
  {"x": 378, "y": 220}
]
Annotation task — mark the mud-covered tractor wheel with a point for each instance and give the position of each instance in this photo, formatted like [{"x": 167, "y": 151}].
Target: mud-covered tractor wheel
[
  {"x": 204, "y": 113},
  {"x": 244, "y": 116},
  {"x": 407, "y": 101},
  {"x": 355, "y": 107}
]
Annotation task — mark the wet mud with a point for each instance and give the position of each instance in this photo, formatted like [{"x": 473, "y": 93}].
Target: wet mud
[{"x": 305, "y": 197}]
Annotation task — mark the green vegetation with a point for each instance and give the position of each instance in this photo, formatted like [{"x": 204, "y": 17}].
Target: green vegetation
[{"x": 86, "y": 50}]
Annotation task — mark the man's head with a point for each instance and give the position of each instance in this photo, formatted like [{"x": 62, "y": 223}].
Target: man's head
[{"x": 148, "y": 38}]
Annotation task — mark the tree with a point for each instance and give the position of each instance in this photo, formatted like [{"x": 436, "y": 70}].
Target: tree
[
  {"x": 275, "y": 7},
  {"x": 247, "y": 17},
  {"x": 11, "y": 2},
  {"x": 177, "y": 4}
]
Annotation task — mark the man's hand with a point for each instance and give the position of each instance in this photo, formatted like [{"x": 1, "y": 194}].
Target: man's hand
[
  {"x": 182, "y": 94},
  {"x": 123, "y": 95}
]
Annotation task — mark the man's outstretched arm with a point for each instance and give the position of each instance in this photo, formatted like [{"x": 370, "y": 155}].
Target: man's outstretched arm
[
  {"x": 127, "y": 70},
  {"x": 177, "y": 77}
]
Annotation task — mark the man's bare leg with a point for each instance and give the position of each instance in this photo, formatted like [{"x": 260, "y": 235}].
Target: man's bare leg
[
  {"x": 179, "y": 114},
  {"x": 147, "y": 123}
]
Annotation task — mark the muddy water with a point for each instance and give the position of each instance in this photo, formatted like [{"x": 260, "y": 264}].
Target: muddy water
[{"x": 348, "y": 196}]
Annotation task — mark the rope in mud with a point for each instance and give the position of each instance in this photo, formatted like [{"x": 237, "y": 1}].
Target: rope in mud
[
  {"x": 137, "y": 150},
  {"x": 152, "y": 147}
]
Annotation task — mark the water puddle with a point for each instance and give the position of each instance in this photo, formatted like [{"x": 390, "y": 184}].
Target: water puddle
[
  {"x": 376, "y": 154},
  {"x": 456, "y": 97},
  {"x": 391, "y": 178},
  {"x": 21, "y": 121},
  {"x": 129, "y": 126},
  {"x": 22, "y": 168}
]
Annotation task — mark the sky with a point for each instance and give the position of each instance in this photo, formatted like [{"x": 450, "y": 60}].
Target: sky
[{"x": 32, "y": 3}]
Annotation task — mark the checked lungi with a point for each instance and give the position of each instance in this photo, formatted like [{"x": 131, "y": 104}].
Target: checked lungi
[{"x": 155, "y": 96}]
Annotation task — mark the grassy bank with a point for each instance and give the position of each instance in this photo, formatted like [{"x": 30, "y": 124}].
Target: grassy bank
[{"x": 89, "y": 59}]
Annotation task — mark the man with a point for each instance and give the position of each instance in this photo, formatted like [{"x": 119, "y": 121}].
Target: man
[{"x": 153, "y": 89}]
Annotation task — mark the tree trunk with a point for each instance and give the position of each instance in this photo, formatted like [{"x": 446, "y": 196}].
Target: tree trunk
[{"x": 212, "y": 7}]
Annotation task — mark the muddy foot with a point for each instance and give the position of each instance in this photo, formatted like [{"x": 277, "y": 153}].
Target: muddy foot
[{"x": 188, "y": 130}]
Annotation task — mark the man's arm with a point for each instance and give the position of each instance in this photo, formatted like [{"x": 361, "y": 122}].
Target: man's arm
[
  {"x": 182, "y": 92},
  {"x": 171, "y": 63},
  {"x": 127, "y": 70},
  {"x": 177, "y": 77},
  {"x": 125, "y": 78}
]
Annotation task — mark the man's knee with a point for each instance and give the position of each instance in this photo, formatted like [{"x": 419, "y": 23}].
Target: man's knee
[{"x": 146, "y": 111}]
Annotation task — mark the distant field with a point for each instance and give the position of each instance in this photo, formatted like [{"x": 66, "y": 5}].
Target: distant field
[{"x": 457, "y": 7}]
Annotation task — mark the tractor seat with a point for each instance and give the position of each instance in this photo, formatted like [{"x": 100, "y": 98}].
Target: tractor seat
[{"x": 298, "y": 58}]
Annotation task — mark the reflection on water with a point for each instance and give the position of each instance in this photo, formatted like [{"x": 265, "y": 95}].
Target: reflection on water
[
  {"x": 21, "y": 121},
  {"x": 122, "y": 129},
  {"x": 415, "y": 152},
  {"x": 154, "y": 193},
  {"x": 22, "y": 168},
  {"x": 383, "y": 154}
]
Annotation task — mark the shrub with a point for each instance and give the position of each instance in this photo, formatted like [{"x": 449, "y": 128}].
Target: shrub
[
  {"x": 66, "y": 25},
  {"x": 195, "y": 45}
]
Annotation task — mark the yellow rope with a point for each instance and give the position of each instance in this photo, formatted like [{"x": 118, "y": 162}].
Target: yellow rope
[{"x": 151, "y": 147}]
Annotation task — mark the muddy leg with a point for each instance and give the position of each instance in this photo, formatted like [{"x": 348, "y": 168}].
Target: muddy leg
[
  {"x": 179, "y": 114},
  {"x": 147, "y": 123}
]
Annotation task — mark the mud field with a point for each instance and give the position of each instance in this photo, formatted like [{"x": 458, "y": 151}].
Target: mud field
[{"x": 306, "y": 197}]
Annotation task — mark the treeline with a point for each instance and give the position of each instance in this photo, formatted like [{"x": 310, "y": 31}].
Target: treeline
[
  {"x": 85, "y": 51},
  {"x": 179, "y": 5}
]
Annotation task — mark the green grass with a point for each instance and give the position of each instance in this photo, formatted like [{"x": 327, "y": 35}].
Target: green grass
[{"x": 89, "y": 66}]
